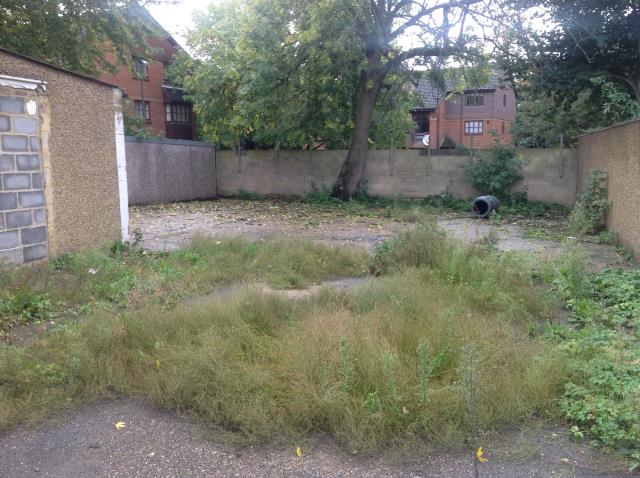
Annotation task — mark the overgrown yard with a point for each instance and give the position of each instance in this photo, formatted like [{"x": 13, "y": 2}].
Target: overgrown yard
[
  {"x": 528, "y": 227},
  {"x": 450, "y": 344}
]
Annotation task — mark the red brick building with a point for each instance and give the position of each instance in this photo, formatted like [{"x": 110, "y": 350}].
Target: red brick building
[
  {"x": 473, "y": 119},
  {"x": 147, "y": 91}
]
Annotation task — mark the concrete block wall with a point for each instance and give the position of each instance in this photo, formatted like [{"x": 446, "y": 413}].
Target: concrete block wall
[
  {"x": 549, "y": 174},
  {"x": 23, "y": 225}
]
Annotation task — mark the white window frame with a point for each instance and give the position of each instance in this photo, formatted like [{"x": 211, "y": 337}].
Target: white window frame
[{"x": 473, "y": 127}]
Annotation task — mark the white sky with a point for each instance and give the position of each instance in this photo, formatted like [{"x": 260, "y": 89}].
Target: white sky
[{"x": 176, "y": 18}]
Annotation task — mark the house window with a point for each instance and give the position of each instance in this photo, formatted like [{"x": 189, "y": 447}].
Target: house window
[
  {"x": 142, "y": 111},
  {"x": 421, "y": 119},
  {"x": 473, "y": 127},
  {"x": 177, "y": 113},
  {"x": 474, "y": 99},
  {"x": 141, "y": 68},
  {"x": 504, "y": 100}
]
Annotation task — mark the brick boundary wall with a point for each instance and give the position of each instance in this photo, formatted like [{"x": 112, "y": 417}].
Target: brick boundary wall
[{"x": 23, "y": 229}]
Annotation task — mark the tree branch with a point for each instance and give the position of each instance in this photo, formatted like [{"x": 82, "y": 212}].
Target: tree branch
[
  {"x": 423, "y": 51},
  {"x": 414, "y": 19}
]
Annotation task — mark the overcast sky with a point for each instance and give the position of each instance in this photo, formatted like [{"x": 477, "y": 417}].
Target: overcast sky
[{"x": 177, "y": 18}]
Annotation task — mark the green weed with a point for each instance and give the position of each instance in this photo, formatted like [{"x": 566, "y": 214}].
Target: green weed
[
  {"x": 126, "y": 276},
  {"x": 588, "y": 215},
  {"x": 602, "y": 392},
  {"x": 262, "y": 368},
  {"x": 435, "y": 350}
]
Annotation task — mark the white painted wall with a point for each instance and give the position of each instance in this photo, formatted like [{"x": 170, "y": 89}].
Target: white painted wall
[{"x": 121, "y": 159}]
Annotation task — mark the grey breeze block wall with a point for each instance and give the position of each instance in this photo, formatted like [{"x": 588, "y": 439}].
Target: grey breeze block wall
[
  {"x": 163, "y": 170},
  {"x": 23, "y": 230},
  {"x": 549, "y": 174}
]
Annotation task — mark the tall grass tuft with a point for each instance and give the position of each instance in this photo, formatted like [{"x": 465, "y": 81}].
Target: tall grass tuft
[
  {"x": 388, "y": 363},
  {"x": 81, "y": 283}
]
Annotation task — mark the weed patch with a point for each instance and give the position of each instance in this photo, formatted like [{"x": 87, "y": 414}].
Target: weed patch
[
  {"x": 602, "y": 392},
  {"x": 127, "y": 277},
  {"x": 382, "y": 366}
]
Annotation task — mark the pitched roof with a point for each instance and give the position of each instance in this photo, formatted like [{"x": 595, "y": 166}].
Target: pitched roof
[{"x": 431, "y": 93}]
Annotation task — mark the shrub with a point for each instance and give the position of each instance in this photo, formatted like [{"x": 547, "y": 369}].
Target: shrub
[
  {"x": 588, "y": 215},
  {"x": 495, "y": 172}
]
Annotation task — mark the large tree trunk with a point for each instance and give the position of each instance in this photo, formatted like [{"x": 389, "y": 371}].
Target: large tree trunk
[{"x": 349, "y": 182}]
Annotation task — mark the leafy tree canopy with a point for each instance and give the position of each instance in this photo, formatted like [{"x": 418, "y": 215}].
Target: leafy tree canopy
[
  {"x": 288, "y": 72},
  {"x": 74, "y": 34},
  {"x": 285, "y": 73},
  {"x": 581, "y": 73}
]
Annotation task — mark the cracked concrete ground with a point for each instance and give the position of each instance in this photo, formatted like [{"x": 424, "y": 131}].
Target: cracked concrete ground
[
  {"x": 157, "y": 443},
  {"x": 160, "y": 444},
  {"x": 170, "y": 226}
]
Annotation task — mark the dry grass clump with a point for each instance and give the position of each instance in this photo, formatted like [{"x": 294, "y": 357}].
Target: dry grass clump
[
  {"x": 436, "y": 351},
  {"x": 131, "y": 278}
]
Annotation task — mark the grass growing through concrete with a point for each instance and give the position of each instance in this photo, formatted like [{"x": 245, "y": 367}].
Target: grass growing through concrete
[
  {"x": 416, "y": 210},
  {"x": 437, "y": 349},
  {"x": 126, "y": 277}
]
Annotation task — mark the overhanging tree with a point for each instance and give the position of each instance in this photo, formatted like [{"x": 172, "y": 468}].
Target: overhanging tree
[
  {"x": 288, "y": 72},
  {"x": 581, "y": 71},
  {"x": 73, "y": 34}
]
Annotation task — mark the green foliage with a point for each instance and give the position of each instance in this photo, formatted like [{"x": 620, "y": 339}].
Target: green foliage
[
  {"x": 290, "y": 73},
  {"x": 181, "y": 67},
  {"x": 258, "y": 57},
  {"x": 249, "y": 195},
  {"x": 134, "y": 125},
  {"x": 580, "y": 75},
  {"x": 617, "y": 104},
  {"x": 602, "y": 392},
  {"x": 495, "y": 172},
  {"x": 75, "y": 34},
  {"x": 125, "y": 276},
  {"x": 588, "y": 214},
  {"x": 23, "y": 307},
  {"x": 541, "y": 118}
]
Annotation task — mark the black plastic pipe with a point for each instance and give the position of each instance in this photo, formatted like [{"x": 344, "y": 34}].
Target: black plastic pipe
[{"x": 483, "y": 205}]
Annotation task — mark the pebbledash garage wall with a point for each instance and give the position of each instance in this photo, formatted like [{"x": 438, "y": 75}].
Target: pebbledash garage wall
[
  {"x": 616, "y": 152},
  {"x": 62, "y": 161}
]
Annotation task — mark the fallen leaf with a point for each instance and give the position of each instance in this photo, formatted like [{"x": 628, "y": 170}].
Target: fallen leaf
[
  {"x": 480, "y": 455},
  {"x": 120, "y": 425},
  {"x": 299, "y": 451}
]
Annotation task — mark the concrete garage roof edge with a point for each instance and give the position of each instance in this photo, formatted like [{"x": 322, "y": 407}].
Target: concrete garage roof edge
[{"x": 57, "y": 68}]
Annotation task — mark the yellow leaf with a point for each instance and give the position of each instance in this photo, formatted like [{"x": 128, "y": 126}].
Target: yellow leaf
[
  {"x": 299, "y": 451},
  {"x": 120, "y": 425},
  {"x": 157, "y": 363},
  {"x": 480, "y": 455}
]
